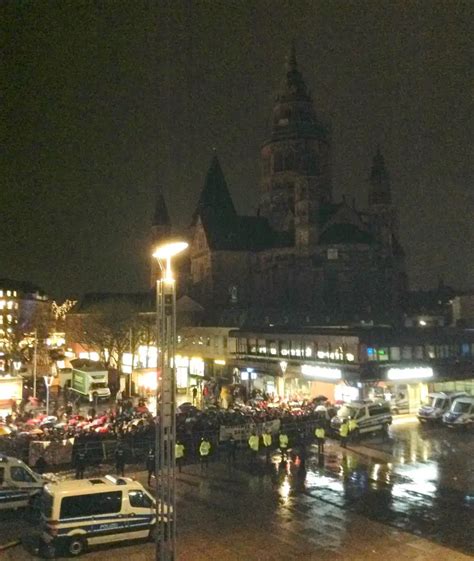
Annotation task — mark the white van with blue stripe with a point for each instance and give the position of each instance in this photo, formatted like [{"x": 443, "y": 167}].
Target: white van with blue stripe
[
  {"x": 19, "y": 485},
  {"x": 77, "y": 514}
]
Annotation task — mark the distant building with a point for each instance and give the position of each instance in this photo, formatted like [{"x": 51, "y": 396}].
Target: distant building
[{"x": 303, "y": 257}]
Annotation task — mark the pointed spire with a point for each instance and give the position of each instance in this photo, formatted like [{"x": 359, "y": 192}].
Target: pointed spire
[
  {"x": 293, "y": 87},
  {"x": 215, "y": 197},
  {"x": 161, "y": 216},
  {"x": 379, "y": 192}
]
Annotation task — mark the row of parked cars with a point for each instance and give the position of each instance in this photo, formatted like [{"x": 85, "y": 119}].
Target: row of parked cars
[{"x": 453, "y": 409}]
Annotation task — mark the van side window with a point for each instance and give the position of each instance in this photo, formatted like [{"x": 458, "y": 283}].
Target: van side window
[
  {"x": 20, "y": 474},
  {"x": 138, "y": 499},
  {"x": 379, "y": 410},
  {"x": 360, "y": 414},
  {"x": 91, "y": 505}
]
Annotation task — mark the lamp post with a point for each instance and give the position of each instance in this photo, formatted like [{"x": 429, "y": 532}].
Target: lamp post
[
  {"x": 48, "y": 380},
  {"x": 166, "y": 402}
]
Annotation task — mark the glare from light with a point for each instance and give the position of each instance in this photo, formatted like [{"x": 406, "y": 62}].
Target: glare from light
[
  {"x": 409, "y": 373},
  {"x": 321, "y": 372},
  {"x": 168, "y": 250}
]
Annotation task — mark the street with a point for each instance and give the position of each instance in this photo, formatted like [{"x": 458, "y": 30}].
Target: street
[{"x": 410, "y": 497}]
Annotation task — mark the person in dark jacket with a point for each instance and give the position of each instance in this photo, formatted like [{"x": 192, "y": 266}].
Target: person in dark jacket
[
  {"x": 120, "y": 459},
  {"x": 40, "y": 465},
  {"x": 80, "y": 463},
  {"x": 150, "y": 464}
]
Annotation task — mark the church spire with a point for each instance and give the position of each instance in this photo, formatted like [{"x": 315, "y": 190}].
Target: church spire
[
  {"x": 293, "y": 87},
  {"x": 379, "y": 192},
  {"x": 215, "y": 197},
  {"x": 161, "y": 216}
]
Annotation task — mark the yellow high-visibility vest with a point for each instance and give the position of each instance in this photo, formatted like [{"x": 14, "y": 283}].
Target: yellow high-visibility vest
[
  {"x": 344, "y": 430},
  {"x": 352, "y": 425},
  {"x": 178, "y": 451},
  {"x": 205, "y": 448},
  {"x": 319, "y": 432},
  {"x": 283, "y": 441},
  {"x": 253, "y": 442},
  {"x": 267, "y": 439}
]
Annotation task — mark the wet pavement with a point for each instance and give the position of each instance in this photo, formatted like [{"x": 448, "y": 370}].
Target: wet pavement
[{"x": 410, "y": 497}]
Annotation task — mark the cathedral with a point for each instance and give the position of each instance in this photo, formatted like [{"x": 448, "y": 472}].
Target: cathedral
[{"x": 304, "y": 258}]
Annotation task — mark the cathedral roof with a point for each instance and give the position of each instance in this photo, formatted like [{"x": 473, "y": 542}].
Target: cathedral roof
[
  {"x": 293, "y": 87},
  {"x": 241, "y": 233},
  {"x": 215, "y": 198}
]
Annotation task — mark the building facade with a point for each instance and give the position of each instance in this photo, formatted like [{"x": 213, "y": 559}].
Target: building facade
[{"x": 304, "y": 257}]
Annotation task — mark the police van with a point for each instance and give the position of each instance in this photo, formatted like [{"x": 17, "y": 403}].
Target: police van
[
  {"x": 436, "y": 404},
  {"x": 80, "y": 513},
  {"x": 19, "y": 485},
  {"x": 461, "y": 414},
  {"x": 370, "y": 416}
]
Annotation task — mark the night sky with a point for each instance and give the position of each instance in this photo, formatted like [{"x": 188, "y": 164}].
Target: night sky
[{"x": 103, "y": 102}]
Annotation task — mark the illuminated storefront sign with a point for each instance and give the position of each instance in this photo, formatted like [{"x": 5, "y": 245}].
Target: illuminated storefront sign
[
  {"x": 196, "y": 366},
  {"x": 409, "y": 373},
  {"x": 313, "y": 371}
]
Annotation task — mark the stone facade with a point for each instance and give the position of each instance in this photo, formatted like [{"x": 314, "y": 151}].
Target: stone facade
[{"x": 303, "y": 258}]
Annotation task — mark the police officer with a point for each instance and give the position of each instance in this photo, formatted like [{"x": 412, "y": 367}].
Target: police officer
[
  {"x": 179, "y": 454},
  {"x": 283, "y": 443},
  {"x": 320, "y": 438},
  {"x": 254, "y": 442},
  {"x": 120, "y": 459},
  {"x": 150, "y": 464},
  {"x": 344, "y": 432},
  {"x": 267, "y": 443},
  {"x": 80, "y": 463},
  {"x": 204, "y": 450},
  {"x": 353, "y": 429}
]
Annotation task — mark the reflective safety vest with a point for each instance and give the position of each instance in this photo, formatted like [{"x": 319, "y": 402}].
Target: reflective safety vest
[
  {"x": 205, "y": 448},
  {"x": 344, "y": 430},
  {"x": 267, "y": 439},
  {"x": 319, "y": 432},
  {"x": 352, "y": 425},
  {"x": 253, "y": 442},
  {"x": 283, "y": 439},
  {"x": 178, "y": 451}
]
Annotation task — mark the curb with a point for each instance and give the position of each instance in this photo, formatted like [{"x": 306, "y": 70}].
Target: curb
[{"x": 9, "y": 544}]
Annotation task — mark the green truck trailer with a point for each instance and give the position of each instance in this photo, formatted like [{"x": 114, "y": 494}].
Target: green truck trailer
[{"x": 90, "y": 380}]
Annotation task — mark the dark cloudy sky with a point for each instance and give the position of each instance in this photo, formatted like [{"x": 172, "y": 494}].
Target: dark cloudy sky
[{"x": 104, "y": 101}]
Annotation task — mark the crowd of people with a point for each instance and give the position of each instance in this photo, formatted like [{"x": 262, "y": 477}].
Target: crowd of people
[{"x": 127, "y": 430}]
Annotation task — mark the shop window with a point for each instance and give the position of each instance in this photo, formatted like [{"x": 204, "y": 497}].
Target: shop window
[
  {"x": 430, "y": 351},
  {"x": 418, "y": 352},
  {"x": 284, "y": 348},
  {"x": 407, "y": 353},
  {"x": 371, "y": 354},
  {"x": 382, "y": 354},
  {"x": 395, "y": 353},
  {"x": 253, "y": 346}
]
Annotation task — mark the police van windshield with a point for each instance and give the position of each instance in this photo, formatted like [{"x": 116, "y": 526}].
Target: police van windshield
[
  {"x": 461, "y": 407},
  {"x": 347, "y": 411},
  {"x": 435, "y": 402}
]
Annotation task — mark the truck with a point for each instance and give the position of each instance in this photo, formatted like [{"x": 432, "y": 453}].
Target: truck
[{"x": 90, "y": 379}]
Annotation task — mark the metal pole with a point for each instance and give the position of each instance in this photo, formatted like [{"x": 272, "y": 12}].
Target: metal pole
[
  {"x": 47, "y": 398},
  {"x": 34, "y": 362},
  {"x": 166, "y": 476},
  {"x": 131, "y": 370}
]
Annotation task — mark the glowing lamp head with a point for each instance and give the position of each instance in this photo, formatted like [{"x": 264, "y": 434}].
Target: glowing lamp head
[{"x": 168, "y": 250}]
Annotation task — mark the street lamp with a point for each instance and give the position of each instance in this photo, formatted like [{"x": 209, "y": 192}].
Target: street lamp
[{"x": 165, "y": 437}]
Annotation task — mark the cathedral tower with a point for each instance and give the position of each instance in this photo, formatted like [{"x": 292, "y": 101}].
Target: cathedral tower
[{"x": 295, "y": 162}]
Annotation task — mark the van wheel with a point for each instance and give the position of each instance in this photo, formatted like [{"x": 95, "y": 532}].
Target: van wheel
[{"x": 76, "y": 546}]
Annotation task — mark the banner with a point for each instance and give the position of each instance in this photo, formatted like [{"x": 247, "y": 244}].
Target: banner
[
  {"x": 54, "y": 453},
  {"x": 242, "y": 432}
]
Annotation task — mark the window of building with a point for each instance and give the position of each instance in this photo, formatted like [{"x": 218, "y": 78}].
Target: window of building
[
  {"x": 253, "y": 346},
  {"x": 1, "y": 292},
  {"x": 371, "y": 353},
  {"x": 262, "y": 347},
  {"x": 430, "y": 351},
  {"x": 382, "y": 354},
  {"x": 10, "y": 305},
  {"x": 465, "y": 350},
  {"x": 273, "y": 347},
  {"x": 295, "y": 349},
  {"x": 418, "y": 352},
  {"x": 395, "y": 353},
  {"x": 138, "y": 499},
  {"x": 2, "y": 304},
  {"x": 9, "y": 292},
  {"x": 407, "y": 353},
  {"x": 333, "y": 254},
  {"x": 284, "y": 348},
  {"x": 91, "y": 505}
]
